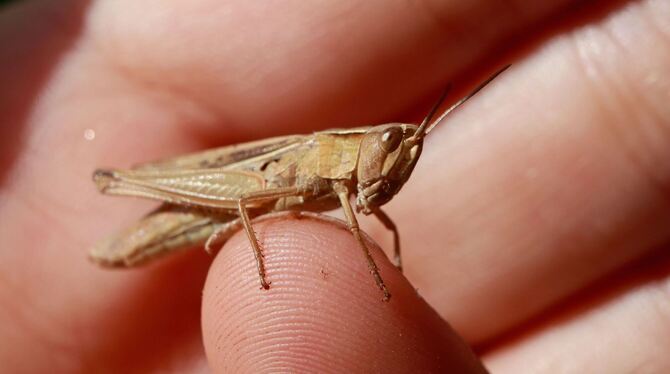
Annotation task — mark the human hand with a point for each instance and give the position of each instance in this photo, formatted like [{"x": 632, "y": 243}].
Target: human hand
[{"x": 530, "y": 222}]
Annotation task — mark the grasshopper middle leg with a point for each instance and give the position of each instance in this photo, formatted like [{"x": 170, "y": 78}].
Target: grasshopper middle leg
[
  {"x": 222, "y": 234},
  {"x": 246, "y": 222}
]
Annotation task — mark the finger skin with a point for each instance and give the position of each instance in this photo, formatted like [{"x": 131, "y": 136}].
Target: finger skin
[
  {"x": 554, "y": 176},
  {"x": 296, "y": 65},
  {"x": 619, "y": 326},
  {"x": 323, "y": 312}
]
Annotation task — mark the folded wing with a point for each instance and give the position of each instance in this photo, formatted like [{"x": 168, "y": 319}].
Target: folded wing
[{"x": 212, "y": 188}]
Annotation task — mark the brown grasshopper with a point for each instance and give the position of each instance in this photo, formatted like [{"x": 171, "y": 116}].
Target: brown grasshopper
[{"x": 208, "y": 195}]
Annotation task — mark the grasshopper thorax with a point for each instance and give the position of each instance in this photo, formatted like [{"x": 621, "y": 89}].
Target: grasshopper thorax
[{"x": 387, "y": 156}]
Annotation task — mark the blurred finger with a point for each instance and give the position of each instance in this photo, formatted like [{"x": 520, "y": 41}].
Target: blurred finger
[
  {"x": 620, "y": 326},
  {"x": 551, "y": 178}
]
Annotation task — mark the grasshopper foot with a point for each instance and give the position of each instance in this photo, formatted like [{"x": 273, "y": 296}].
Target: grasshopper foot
[
  {"x": 387, "y": 295},
  {"x": 397, "y": 263}
]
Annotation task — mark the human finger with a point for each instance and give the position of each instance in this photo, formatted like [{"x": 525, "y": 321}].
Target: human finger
[
  {"x": 548, "y": 180},
  {"x": 323, "y": 312}
]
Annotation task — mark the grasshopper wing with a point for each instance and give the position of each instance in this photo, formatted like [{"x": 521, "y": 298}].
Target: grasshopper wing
[
  {"x": 225, "y": 156},
  {"x": 163, "y": 231},
  {"x": 212, "y": 188}
]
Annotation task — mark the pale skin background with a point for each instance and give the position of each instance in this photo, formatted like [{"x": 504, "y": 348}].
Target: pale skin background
[{"x": 537, "y": 221}]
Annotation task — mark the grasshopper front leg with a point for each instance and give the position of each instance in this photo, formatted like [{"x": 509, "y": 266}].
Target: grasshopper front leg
[
  {"x": 246, "y": 222},
  {"x": 343, "y": 195},
  {"x": 390, "y": 225}
]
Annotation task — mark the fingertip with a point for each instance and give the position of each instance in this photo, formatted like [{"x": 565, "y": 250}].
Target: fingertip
[{"x": 322, "y": 312}]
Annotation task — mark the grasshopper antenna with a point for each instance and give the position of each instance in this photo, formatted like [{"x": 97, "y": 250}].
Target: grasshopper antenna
[
  {"x": 424, "y": 128},
  {"x": 420, "y": 131},
  {"x": 434, "y": 109}
]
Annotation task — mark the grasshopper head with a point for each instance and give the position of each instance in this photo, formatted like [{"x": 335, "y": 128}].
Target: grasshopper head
[
  {"x": 389, "y": 153},
  {"x": 387, "y": 156}
]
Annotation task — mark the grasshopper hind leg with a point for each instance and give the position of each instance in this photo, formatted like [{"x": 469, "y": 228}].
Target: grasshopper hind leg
[{"x": 165, "y": 230}]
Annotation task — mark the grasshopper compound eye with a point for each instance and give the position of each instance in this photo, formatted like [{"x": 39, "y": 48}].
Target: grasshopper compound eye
[{"x": 391, "y": 139}]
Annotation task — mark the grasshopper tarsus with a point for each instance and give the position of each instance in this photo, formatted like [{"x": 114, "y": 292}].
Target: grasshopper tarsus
[
  {"x": 209, "y": 244},
  {"x": 397, "y": 261},
  {"x": 265, "y": 285},
  {"x": 379, "y": 281},
  {"x": 387, "y": 295}
]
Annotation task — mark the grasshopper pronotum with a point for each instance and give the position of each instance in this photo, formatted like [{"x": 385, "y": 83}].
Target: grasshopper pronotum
[{"x": 208, "y": 195}]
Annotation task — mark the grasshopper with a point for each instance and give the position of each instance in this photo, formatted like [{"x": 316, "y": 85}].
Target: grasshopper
[{"x": 207, "y": 196}]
